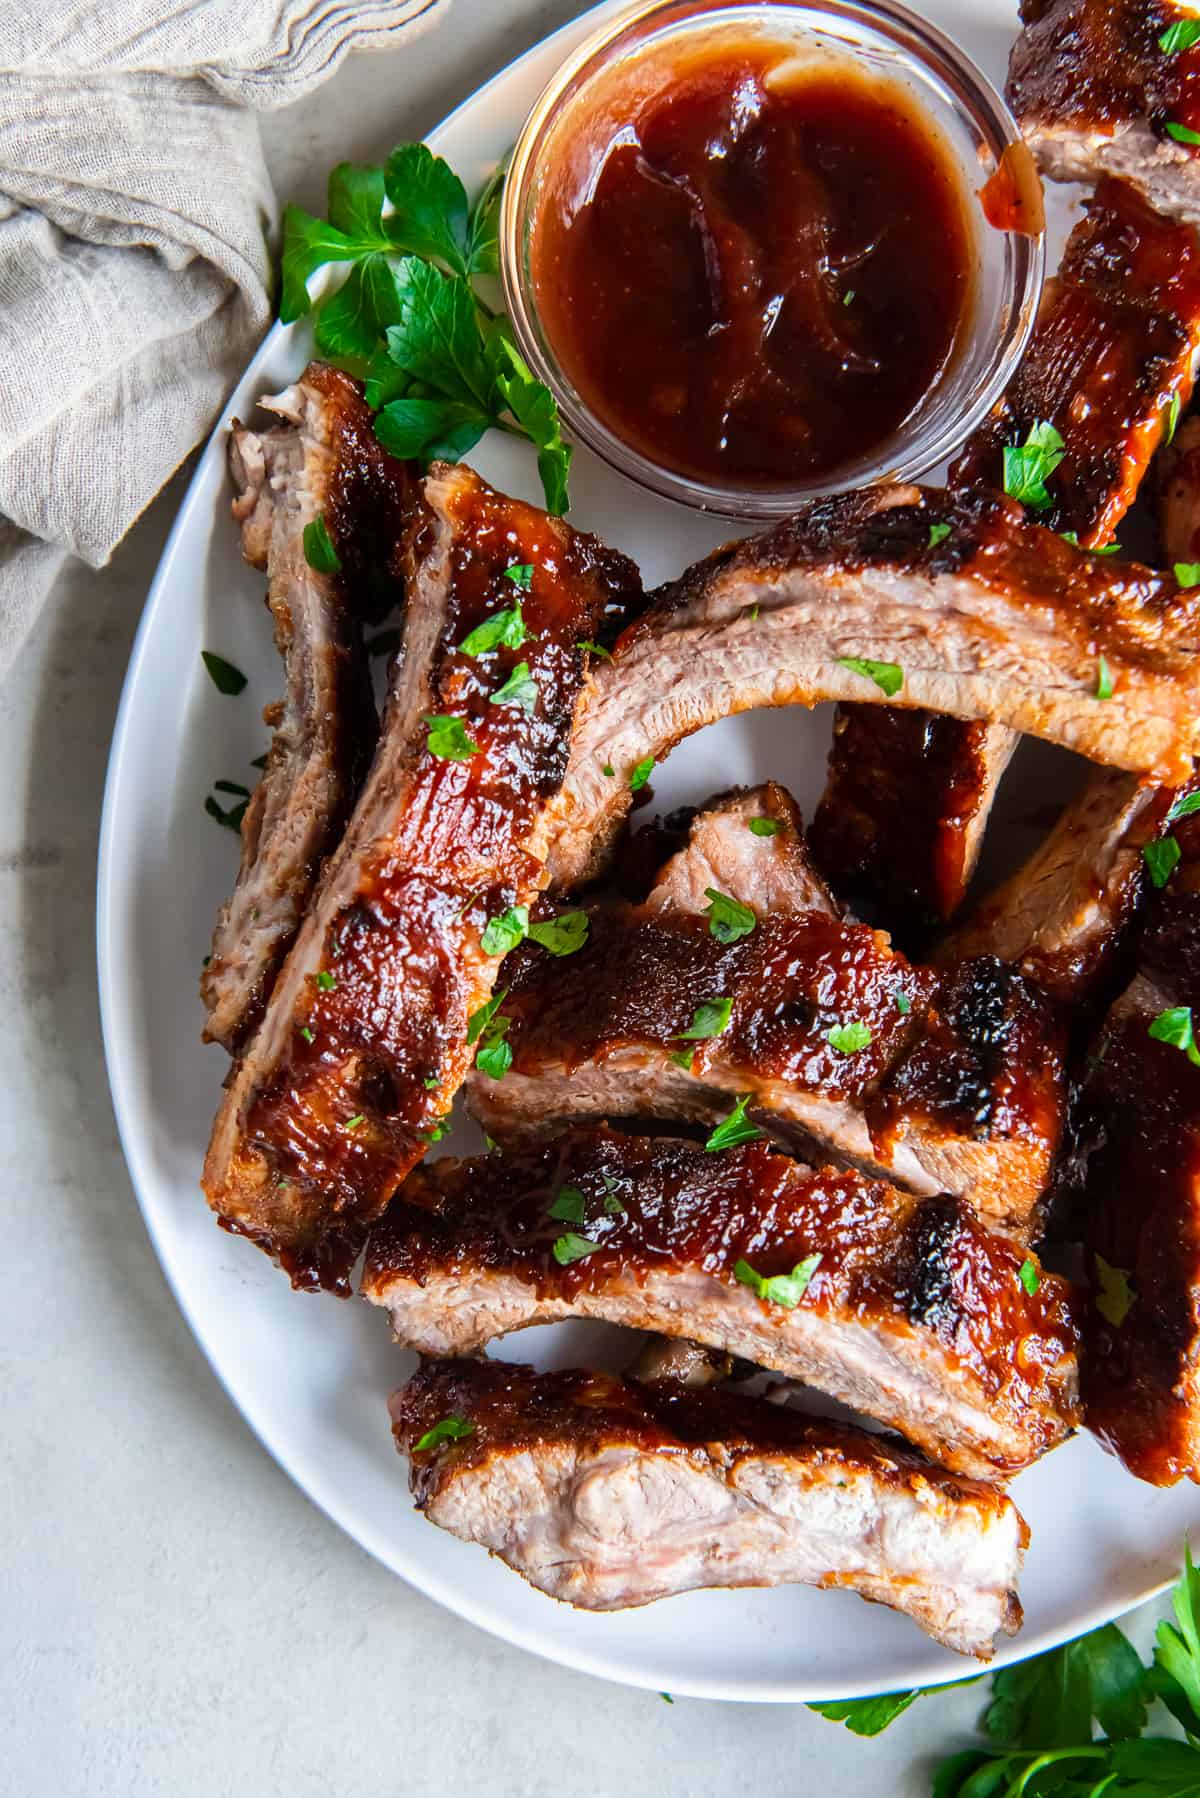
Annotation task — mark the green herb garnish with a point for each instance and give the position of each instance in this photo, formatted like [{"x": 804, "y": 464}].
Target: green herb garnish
[
  {"x": 1184, "y": 807},
  {"x": 684, "y": 1058},
  {"x": 734, "y": 1129},
  {"x": 709, "y": 1019},
  {"x": 448, "y": 739},
  {"x": 765, "y": 827},
  {"x": 569, "y": 1205},
  {"x": 1179, "y": 36},
  {"x": 520, "y": 574},
  {"x": 848, "y": 1039},
  {"x": 1161, "y": 859},
  {"x": 326, "y": 981},
  {"x": 479, "y": 1020},
  {"x": 1104, "y": 680},
  {"x": 571, "y": 1247},
  {"x": 225, "y": 677},
  {"x": 1174, "y": 408},
  {"x": 450, "y": 1429},
  {"x": 888, "y": 676},
  {"x": 355, "y": 1121},
  {"x": 1183, "y": 134},
  {"x": 1187, "y": 574},
  {"x": 728, "y": 919},
  {"x": 1027, "y": 467},
  {"x": 319, "y": 552},
  {"x": 596, "y": 649},
  {"x": 641, "y": 774},
  {"x": 502, "y": 630},
  {"x": 231, "y": 818},
  {"x": 494, "y": 1056},
  {"x": 1174, "y": 1026},
  {"x": 505, "y": 932},
  {"x": 563, "y": 935},
  {"x": 1029, "y": 1277},
  {"x": 903, "y": 1004},
  {"x": 779, "y": 1289},
  {"x": 938, "y": 533},
  {"x": 520, "y": 689}
]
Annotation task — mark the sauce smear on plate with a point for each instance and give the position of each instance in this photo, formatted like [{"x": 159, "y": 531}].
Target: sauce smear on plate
[{"x": 754, "y": 271}]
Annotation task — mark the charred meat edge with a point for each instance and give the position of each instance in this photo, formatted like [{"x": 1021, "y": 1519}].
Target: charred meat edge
[
  {"x": 606, "y": 1494},
  {"x": 914, "y": 1315}
]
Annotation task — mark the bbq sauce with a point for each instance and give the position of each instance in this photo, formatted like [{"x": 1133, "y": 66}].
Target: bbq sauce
[{"x": 753, "y": 270}]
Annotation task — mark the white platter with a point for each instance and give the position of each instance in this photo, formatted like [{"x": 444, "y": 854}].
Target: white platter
[{"x": 311, "y": 1375}]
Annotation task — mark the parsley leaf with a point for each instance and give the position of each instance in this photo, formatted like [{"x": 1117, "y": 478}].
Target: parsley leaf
[
  {"x": 1104, "y": 680},
  {"x": 534, "y": 408},
  {"x": 483, "y": 230},
  {"x": 1184, "y": 807},
  {"x": 765, "y": 827},
  {"x": 431, "y": 430},
  {"x": 353, "y": 1123},
  {"x": 568, "y": 1207},
  {"x": 225, "y": 677},
  {"x": 728, "y": 919},
  {"x": 449, "y": 1429},
  {"x": 938, "y": 533},
  {"x": 448, "y": 739},
  {"x": 1175, "y": 1675},
  {"x": 326, "y": 981},
  {"x": 1028, "y": 1275},
  {"x": 1187, "y": 574},
  {"x": 430, "y": 207},
  {"x": 319, "y": 552},
  {"x": 520, "y": 689},
  {"x": 780, "y": 1289},
  {"x": 479, "y": 1020},
  {"x": 1179, "y": 36},
  {"x": 888, "y": 676},
  {"x": 848, "y": 1039},
  {"x": 733, "y": 1130},
  {"x": 709, "y": 1019},
  {"x": 1174, "y": 408},
  {"x": 520, "y": 574},
  {"x": 867, "y": 1716},
  {"x": 351, "y": 321},
  {"x": 903, "y": 1004},
  {"x": 502, "y": 630},
  {"x": 1175, "y": 1027},
  {"x": 1183, "y": 134},
  {"x": 571, "y": 1247},
  {"x": 595, "y": 649},
  {"x": 505, "y": 932},
  {"x": 641, "y": 774},
  {"x": 1161, "y": 859},
  {"x": 1115, "y": 1298},
  {"x": 563, "y": 935},
  {"x": 1027, "y": 467},
  {"x": 684, "y": 1059}
]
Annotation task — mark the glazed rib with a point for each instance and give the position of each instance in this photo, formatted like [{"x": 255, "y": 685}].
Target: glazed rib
[
  {"x": 1141, "y": 1128},
  {"x": 1002, "y": 620},
  {"x": 1179, "y": 495},
  {"x": 724, "y": 850},
  {"x": 364, "y": 1042},
  {"x": 606, "y": 1493},
  {"x": 1094, "y": 91},
  {"x": 323, "y": 462},
  {"x": 914, "y": 1315}
]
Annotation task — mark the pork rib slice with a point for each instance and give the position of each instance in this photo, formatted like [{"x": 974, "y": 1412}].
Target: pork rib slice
[
  {"x": 1140, "y": 1130},
  {"x": 1179, "y": 495},
  {"x": 607, "y": 1493},
  {"x": 364, "y": 1042},
  {"x": 1114, "y": 351},
  {"x": 1001, "y": 620},
  {"x": 322, "y": 461},
  {"x": 1093, "y": 93},
  {"x": 750, "y": 844},
  {"x": 914, "y": 1315},
  {"x": 961, "y": 1091}
]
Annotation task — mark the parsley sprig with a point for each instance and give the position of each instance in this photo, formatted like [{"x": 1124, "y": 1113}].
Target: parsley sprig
[
  {"x": 439, "y": 365},
  {"x": 1029, "y": 465},
  {"x": 1039, "y": 1728}
]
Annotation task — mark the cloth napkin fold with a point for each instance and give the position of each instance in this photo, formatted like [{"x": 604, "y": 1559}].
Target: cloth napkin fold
[{"x": 135, "y": 276}]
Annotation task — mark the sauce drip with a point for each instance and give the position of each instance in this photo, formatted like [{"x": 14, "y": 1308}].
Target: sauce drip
[{"x": 753, "y": 270}]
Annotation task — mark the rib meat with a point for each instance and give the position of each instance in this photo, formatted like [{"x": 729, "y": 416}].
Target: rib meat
[
  {"x": 914, "y": 1314},
  {"x": 772, "y": 872},
  {"x": 1093, "y": 92},
  {"x": 322, "y": 462},
  {"x": 606, "y": 1494},
  {"x": 364, "y": 1042},
  {"x": 1179, "y": 495},
  {"x": 1001, "y": 621}
]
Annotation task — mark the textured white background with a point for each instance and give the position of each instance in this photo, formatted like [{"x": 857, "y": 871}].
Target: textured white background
[{"x": 174, "y": 1617}]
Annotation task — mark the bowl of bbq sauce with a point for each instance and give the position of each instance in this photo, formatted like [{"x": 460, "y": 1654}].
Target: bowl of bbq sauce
[{"x": 763, "y": 251}]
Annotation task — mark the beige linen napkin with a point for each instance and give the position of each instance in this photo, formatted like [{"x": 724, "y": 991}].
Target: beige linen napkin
[{"x": 135, "y": 277}]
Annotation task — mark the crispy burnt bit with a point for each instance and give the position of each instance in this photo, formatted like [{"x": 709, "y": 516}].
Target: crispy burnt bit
[
  {"x": 915, "y": 1313},
  {"x": 1112, "y": 358},
  {"x": 365, "y": 1040},
  {"x": 1001, "y": 621},
  {"x": 640, "y": 1491},
  {"x": 900, "y": 824},
  {"x": 1139, "y": 1134}
]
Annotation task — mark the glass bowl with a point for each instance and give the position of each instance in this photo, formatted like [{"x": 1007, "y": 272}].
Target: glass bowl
[{"x": 958, "y": 104}]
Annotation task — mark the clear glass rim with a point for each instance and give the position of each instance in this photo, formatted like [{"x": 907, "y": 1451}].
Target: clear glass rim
[{"x": 926, "y": 44}]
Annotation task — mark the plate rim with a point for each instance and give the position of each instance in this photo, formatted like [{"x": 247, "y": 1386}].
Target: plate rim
[{"x": 454, "y": 1596}]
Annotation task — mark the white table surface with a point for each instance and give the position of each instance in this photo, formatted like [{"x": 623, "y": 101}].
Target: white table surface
[{"x": 175, "y": 1618}]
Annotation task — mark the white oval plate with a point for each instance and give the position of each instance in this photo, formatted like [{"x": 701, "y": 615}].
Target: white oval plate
[{"x": 311, "y": 1375}]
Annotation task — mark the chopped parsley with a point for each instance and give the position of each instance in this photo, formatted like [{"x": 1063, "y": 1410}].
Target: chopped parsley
[
  {"x": 1187, "y": 574},
  {"x": 355, "y": 1121},
  {"x": 709, "y": 1019},
  {"x": 225, "y": 677},
  {"x": 1174, "y": 408},
  {"x": 307, "y": 1034},
  {"x": 1175, "y": 1027},
  {"x": 448, "y": 739},
  {"x": 479, "y": 1020},
  {"x": 848, "y": 297},
  {"x": 1095, "y": 549},
  {"x": 779, "y": 1289},
  {"x": 568, "y": 1207},
  {"x": 607, "y": 768},
  {"x": 1028, "y": 466},
  {"x": 1180, "y": 36},
  {"x": 734, "y": 1129},
  {"x": 1104, "y": 680},
  {"x": 1115, "y": 1296},
  {"x": 1183, "y": 134},
  {"x": 319, "y": 552},
  {"x": 1029, "y": 1277},
  {"x": 571, "y": 1247},
  {"x": 765, "y": 827},
  {"x": 563, "y": 935},
  {"x": 519, "y": 689},
  {"x": 938, "y": 533},
  {"x": 612, "y": 1204},
  {"x": 450, "y": 1429},
  {"x": 505, "y": 932},
  {"x": 1184, "y": 807},
  {"x": 1161, "y": 859},
  {"x": 431, "y": 1082},
  {"x": 503, "y": 630},
  {"x": 494, "y": 1056},
  {"x": 848, "y": 1039},
  {"x": 436, "y": 1130},
  {"x": 903, "y": 1004},
  {"x": 520, "y": 574},
  {"x": 728, "y": 919},
  {"x": 596, "y": 649},
  {"x": 888, "y": 676},
  {"x": 684, "y": 1058},
  {"x": 326, "y": 981},
  {"x": 231, "y": 819},
  {"x": 641, "y": 774}
]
